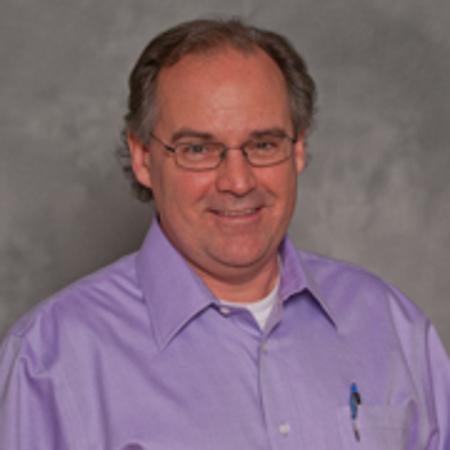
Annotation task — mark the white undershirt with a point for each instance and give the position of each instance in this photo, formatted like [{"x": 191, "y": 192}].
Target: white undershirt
[{"x": 260, "y": 309}]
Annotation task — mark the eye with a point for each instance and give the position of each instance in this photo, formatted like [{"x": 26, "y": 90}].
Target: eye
[
  {"x": 264, "y": 145},
  {"x": 194, "y": 149},
  {"x": 269, "y": 144},
  {"x": 197, "y": 151}
]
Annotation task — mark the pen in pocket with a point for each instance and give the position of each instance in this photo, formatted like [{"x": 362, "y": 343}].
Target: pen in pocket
[{"x": 355, "y": 402}]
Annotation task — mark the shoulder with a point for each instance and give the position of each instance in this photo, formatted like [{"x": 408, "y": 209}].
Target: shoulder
[
  {"x": 350, "y": 288},
  {"x": 387, "y": 334},
  {"x": 372, "y": 315},
  {"x": 50, "y": 357},
  {"x": 90, "y": 305}
]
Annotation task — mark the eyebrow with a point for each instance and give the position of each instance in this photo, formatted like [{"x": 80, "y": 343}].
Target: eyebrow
[
  {"x": 191, "y": 133},
  {"x": 274, "y": 131}
]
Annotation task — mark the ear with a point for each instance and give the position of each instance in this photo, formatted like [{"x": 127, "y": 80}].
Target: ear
[
  {"x": 140, "y": 160},
  {"x": 299, "y": 153}
]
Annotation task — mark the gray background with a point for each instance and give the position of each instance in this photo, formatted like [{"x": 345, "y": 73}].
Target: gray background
[{"x": 376, "y": 192}]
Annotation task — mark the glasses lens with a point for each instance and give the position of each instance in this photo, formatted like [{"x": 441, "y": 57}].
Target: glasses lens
[
  {"x": 268, "y": 150},
  {"x": 198, "y": 156}
]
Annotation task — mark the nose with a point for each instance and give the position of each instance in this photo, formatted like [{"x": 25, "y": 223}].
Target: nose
[{"x": 235, "y": 175}]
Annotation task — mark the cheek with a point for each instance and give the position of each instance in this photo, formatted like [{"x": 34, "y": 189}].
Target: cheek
[
  {"x": 286, "y": 192},
  {"x": 183, "y": 192},
  {"x": 282, "y": 181}
]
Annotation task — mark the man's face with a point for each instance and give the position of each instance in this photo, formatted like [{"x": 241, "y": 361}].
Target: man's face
[{"x": 227, "y": 222}]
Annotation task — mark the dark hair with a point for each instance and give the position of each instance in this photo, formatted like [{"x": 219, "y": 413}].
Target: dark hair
[{"x": 199, "y": 36}]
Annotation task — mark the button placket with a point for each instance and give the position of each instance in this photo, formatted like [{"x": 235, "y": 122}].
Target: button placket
[
  {"x": 276, "y": 401},
  {"x": 264, "y": 348}
]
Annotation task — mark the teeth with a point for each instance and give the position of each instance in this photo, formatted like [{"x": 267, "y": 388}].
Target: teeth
[{"x": 241, "y": 212}]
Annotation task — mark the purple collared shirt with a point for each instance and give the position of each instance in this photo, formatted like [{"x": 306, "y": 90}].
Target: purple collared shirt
[{"x": 140, "y": 356}]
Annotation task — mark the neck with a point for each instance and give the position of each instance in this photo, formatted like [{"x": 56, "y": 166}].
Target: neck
[{"x": 245, "y": 287}]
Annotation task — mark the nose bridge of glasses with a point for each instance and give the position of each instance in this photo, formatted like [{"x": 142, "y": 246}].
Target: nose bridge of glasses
[
  {"x": 235, "y": 172},
  {"x": 240, "y": 148}
]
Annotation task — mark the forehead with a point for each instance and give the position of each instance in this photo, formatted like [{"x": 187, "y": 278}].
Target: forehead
[{"x": 223, "y": 88}]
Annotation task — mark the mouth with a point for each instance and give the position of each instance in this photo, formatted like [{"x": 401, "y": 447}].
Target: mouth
[
  {"x": 237, "y": 216},
  {"x": 237, "y": 212}
]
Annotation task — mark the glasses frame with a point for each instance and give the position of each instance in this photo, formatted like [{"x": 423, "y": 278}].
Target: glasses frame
[{"x": 173, "y": 151}]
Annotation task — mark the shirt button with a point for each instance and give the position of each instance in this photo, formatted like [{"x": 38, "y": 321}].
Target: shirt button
[
  {"x": 264, "y": 347},
  {"x": 225, "y": 310},
  {"x": 284, "y": 429}
]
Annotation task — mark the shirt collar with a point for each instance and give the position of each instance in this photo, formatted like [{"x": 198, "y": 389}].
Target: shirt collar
[
  {"x": 296, "y": 277},
  {"x": 174, "y": 294}
]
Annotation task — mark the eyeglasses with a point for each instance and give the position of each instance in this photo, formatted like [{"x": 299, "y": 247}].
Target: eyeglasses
[{"x": 264, "y": 151}]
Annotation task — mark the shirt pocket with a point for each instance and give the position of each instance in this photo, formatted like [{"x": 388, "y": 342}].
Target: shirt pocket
[{"x": 380, "y": 428}]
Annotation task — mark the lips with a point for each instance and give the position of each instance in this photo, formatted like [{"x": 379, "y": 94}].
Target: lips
[{"x": 237, "y": 212}]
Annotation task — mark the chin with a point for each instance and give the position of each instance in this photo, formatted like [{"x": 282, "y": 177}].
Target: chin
[{"x": 242, "y": 255}]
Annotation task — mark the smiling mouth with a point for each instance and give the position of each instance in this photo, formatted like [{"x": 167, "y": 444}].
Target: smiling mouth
[{"x": 237, "y": 212}]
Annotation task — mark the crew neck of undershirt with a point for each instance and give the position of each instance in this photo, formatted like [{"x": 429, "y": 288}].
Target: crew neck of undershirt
[{"x": 260, "y": 309}]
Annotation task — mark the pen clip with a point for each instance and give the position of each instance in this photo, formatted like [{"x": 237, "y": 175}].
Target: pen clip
[{"x": 355, "y": 402}]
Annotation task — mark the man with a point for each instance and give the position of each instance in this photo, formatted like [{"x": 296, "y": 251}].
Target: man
[{"x": 218, "y": 334}]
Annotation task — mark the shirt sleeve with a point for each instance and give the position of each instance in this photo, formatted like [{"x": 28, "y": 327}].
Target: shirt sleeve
[
  {"x": 439, "y": 367},
  {"x": 35, "y": 411}
]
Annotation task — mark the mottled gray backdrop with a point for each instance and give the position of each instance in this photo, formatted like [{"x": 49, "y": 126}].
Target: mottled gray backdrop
[{"x": 377, "y": 191}]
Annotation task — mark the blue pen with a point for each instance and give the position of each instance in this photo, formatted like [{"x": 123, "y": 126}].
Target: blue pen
[{"x": 355, "y": 401}]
